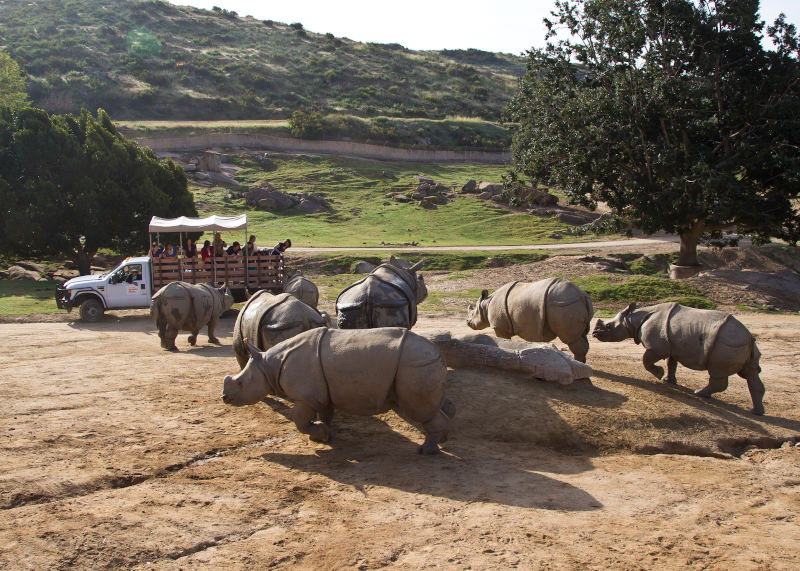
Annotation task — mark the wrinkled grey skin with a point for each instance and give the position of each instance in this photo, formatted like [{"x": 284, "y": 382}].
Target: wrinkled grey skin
[
  {"x": 361, "y": 372},
  {"x": 372, "y": 302},
  {"x": 565, "y": 311},
  {"x": 302, "y": 288},
  {"x": 733, "y": 351},
  {"x": 180, "y": 306},
  {"x": 284, "y": 317}
]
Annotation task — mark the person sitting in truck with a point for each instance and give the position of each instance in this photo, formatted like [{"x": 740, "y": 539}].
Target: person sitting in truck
[
  {"x": 280, "y": 248},
  {"x": 156, "y": 250},
  {"x": 170, "y": 251},
  {"x": 190, "y": 251},
  {"x": 207, "y": 252},
  {"x": 219, "y": 245},
  {"x": 235, "y": 250},
  {"x": 250, "y": 248}
]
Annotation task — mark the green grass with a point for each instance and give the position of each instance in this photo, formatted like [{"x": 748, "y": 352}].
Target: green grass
[
  {"x": 362, "y": 215},
  {"x": 655, "y": 265},
  {"x": 18, "y": 297},
  {"x": 602, "y": 288}
]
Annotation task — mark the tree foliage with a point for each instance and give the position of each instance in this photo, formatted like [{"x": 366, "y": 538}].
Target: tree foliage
[
  {"x": 12, "y": 83},
  {"x": 670, "y": 111},
  {"x": 71, "y": 185}
]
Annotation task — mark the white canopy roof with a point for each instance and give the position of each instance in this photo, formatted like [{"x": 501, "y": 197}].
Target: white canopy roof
[{"x": 186, "y": 224}]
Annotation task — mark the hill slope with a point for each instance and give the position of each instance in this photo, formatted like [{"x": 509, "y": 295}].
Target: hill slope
[{"x": 150, "y": 59}]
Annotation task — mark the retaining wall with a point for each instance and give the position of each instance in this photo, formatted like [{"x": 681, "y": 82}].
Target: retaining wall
[{"x": 269, "y": 142}]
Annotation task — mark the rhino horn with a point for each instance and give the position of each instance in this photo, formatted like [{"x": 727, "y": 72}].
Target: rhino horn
[
  {"x": 255, "y": 352},
  {"x": 418, "y": 266}
]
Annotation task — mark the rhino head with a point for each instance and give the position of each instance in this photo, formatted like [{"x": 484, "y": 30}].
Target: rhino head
[
  {"x": 617, "y": 330},
  {"x": 227, "y": 297},
  {"x": 249, "y": 385},
  {"x": 477, "y": 315}
]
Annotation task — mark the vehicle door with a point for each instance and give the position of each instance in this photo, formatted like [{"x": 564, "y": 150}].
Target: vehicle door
[{"x": 127, "y": 287}]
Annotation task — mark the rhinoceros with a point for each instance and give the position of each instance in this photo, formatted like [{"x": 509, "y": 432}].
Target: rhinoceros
[
  {"x": 179, "y": 306},
  {"x": 268, "y": 319},
  {"x": 537, "y": 311},
  {"x": 302, "y": 288},
  {"x": 699, "y": 339},
  {"x": 361, "y": 372},
  {"x": 387, "y": 297}
]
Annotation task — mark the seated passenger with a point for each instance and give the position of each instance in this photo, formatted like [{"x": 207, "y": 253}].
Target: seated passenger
[
  {"x": 281, "y": 247},
  {"x": 207, "y": 252},
  {"x": 190, "y": 252},
  {"x": 170, "y": 251},
  {"x": 235, "y": 250}
]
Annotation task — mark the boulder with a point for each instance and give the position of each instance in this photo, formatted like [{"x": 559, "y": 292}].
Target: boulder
[
  {"x": 20, "y": 273},
  {"x": 309, "y": 206},
  {"x": 33, "y": 266},
  {"x": 363, "y": 267},
  {"x": 402, "y": 198},
  {"x": 201, "y": 175},
  {"x": 541, "y": 197},
  {"x": 485, "y": 195},
  {"x": 211, "y": 161},
  {"x": 471, "y": 187},
  {"x": 389, "y": 174},
  {"x": 221, "y": 178},
  {"x": 422, "y": 179},
  {"x": 493, "y": 187}
]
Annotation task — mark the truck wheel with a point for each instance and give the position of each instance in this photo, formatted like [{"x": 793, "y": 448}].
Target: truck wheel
[{"x": 91, "y": 310}]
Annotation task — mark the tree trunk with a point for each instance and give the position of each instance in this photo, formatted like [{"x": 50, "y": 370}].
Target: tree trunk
[{"x": 688, "y": 251}]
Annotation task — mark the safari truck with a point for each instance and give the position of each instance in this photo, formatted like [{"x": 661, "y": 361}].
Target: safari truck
[{"x": 131, "y": 284}]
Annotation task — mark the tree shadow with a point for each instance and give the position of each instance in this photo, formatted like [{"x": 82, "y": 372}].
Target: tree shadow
[
  {"x": 366, "y": 452},
  {"x": 730, "y": 412}
]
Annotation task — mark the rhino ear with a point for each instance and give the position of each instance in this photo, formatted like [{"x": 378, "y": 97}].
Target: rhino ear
[
  {"x": 392, "y": 260},
  {"x": 599, "y": 324},
  {"x": 418, "y": 266},
  {"x": 631, "y": 307},
  {"x": 485, "y": 294}
]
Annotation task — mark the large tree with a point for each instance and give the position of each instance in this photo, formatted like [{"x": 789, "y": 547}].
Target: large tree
[
  {"x": 670, "y": 111},
  {"x": 71, "y": 185},
  {"x": 12, "y": 83}
]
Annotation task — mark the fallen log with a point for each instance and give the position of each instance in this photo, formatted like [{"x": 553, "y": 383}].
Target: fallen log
[{"x": 541, "y": 360}]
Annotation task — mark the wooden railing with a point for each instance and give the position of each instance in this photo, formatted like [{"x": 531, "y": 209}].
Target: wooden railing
[{"x": 261, "y": 271}]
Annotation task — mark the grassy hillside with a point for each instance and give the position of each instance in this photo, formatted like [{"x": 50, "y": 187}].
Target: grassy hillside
[
  {"x": 362, "y": 215},
  {"x": 150, "y": 59}
]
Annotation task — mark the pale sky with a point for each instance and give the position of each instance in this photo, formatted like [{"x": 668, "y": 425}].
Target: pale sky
[{"x": 510, "y": 26}]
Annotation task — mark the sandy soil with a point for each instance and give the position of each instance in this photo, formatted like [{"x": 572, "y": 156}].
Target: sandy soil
[{"x": 118, "y": 454}]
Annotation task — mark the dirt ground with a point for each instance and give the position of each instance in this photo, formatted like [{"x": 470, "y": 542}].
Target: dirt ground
[{"x": 118, "y": 454}]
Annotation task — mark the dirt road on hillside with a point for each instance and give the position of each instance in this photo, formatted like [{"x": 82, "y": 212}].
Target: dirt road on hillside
[{"x": 118, "y": 454}]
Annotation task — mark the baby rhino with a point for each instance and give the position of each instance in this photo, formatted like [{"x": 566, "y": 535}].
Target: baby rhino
[
  {"x": 699, "y": 339},
  {"x": 358, "y": 371},
  {"x": 538, "y": 311}
]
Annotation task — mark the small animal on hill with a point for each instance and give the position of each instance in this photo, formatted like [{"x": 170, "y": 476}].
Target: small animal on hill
[{"x": 700, "y": 339}]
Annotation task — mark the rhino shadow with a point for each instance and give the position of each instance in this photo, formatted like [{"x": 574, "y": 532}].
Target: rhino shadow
[
  {"x": 730, "y": 412},
  {"x": 387, "y": 460}
]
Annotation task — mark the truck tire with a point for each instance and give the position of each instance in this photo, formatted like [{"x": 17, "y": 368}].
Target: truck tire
[{"x": 91, "y": 310}]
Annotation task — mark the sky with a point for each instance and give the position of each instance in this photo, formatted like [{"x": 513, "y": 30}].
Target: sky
[{"x": 510, "y": 26}]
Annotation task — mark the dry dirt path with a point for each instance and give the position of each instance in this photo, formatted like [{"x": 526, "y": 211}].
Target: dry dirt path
[{"x": 118, "y": 454}]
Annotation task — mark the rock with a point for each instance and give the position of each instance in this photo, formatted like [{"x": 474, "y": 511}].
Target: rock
[
  {"x": 493, "y": 187},
  {"x": 402, "y": 198},
  {"x": 309, "y": 206},
  {"x": 221, "y": 178},
  {"x": 538, "y": 197},
  {"x": 606, "y": 264},
  {"x": 201, "y": 175},
  {"x": 485, "y": 195},
  {"x": 439, "y": 187},
  {"x": 189, "y": 167},
  {"x": 418, "y": 195},
  {"x": 428, "y": 205},
  {"x": 63, "y": 275},
  {"x": 471, "y": 187},
  {"x": 211, "y": 161},
  {"x": 556, "y": 236},
  {"x": 494, "y": 263},
  {"x": 432, "y": 199},
  {"x": 422, "y": 179},
  {"x": 572, "y": 219},
  {"x": 265, "y": 162},
  {"x": 33, "y": 266},
  {"x": 389, "y": 174},
  {"x": 20, "y": 273}
]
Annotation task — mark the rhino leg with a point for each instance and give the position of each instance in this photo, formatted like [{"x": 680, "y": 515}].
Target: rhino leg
[
  {"x": 750, "y": 372},
  {"x": 436, "y": 431},
  {"x": 716, "y": 384},
  {"x": 168, "y": 341},
  {"x": 579, "y": 348},
  {"x": 211, "y": 326},
  {"x": 304, "y": 416},
  {"x": 649, "y": 361},
  {"x": 325, "y": 417},
  {"x": 672, "y": 366},
  {"x": 193, "y": 338}
]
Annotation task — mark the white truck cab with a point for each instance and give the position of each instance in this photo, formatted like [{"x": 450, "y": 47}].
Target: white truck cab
[{"x": 128, "y": 286}]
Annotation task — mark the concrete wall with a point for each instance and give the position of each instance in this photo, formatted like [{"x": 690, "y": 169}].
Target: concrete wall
[{"x": 269, "y": 142}]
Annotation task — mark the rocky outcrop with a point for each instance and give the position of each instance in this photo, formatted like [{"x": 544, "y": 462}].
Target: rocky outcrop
[{"x": 266, "y": 197}]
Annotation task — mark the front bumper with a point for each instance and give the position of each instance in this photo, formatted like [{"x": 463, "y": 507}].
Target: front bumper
[{"x": 62, "y": 298}]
